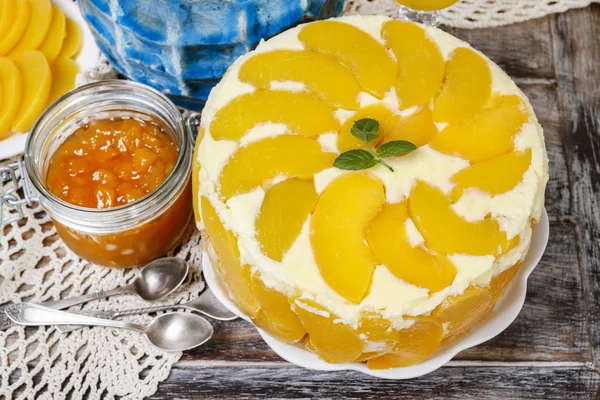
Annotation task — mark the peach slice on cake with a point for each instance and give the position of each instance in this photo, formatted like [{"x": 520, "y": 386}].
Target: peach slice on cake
[
  {"x": 446, "y": 232},
  {"x": 373, "y": 67},
  {"x": 337, "y": 234},
  {"x": 495, "y": 176},
  {"x": 386, "y": 235},
  {"x": 322, "y": 75},
  {"x": 417, "y": 128},
  {"x": 487, "y": 135},
  {"x": 414, "y": 344},
  {"x": 303, "y": 113},
  {"x": 467, "y": 87},
  {"x": 228, "y": 263},
  {"x": 420, "y": 62},
  {"x": 284, "y": 210},
  {"x": 285, "y": 155},
  {"x": 387, "y": 122},
  {"x": 463, "y": 311},
  {"x": 333, "y": 341},
  {"x": 276, "y": 315}
]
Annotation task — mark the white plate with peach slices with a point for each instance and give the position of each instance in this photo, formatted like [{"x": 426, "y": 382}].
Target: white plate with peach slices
[
  {"x": 504, "y": 313},
  {"x": 53, "y": 49}
]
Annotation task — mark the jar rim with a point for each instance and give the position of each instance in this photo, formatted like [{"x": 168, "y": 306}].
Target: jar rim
[{"x": 69, "y": 105}]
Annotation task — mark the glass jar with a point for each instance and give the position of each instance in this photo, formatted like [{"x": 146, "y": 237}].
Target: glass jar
[{"x": 125, "y": 236}]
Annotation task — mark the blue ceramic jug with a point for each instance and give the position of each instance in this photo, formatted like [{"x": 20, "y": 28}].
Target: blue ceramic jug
[{"x": 183, "y": 47}]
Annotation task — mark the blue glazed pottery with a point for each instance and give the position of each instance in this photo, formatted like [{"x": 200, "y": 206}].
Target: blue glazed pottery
[{"x": 183, "y": 47}]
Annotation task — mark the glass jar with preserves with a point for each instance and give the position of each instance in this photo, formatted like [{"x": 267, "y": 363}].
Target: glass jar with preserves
[{"x": 141, "y": 226}]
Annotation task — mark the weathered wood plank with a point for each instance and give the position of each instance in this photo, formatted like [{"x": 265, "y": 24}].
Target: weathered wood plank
[
  {"x": 551, "y": 327},
  {"x": 194, "y": 381},
  {"x": 543, "y": 98},
  {"x": 577, "y": 51},
  {"x": 522, "y": 50}
]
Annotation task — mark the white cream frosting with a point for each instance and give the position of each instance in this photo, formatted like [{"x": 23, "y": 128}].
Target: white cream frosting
[{"x": 298, "y": 274}]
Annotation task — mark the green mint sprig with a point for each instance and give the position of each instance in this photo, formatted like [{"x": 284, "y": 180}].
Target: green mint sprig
[{"x": 366, "y": 131}]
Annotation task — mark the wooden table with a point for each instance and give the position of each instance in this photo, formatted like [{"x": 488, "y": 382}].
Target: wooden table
[{"x": 552, "y": 349}]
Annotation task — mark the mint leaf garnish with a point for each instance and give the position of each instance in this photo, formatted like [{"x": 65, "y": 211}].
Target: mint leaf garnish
[
  {"x": 395, "y": 148},
  {"x": 366, "y": 131},
  {"x": 355, "y": 160}
]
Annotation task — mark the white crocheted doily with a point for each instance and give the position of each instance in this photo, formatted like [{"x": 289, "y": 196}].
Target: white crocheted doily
[
  {"x": 107, "y": 363},
  {"x": 476, "y": 13}
]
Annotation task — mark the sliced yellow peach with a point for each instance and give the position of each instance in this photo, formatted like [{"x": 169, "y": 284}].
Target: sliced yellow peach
[
  {"x": 387, "y": 121},
  {"x": 322, "y": 75},
  {"x": 64, "y": 74},
  {"x": 37, "y": 80},
  {"x": 276, "y": 315},
  {"x": 304, "y": 113},
  {"x": 373, "y": 67},
  {"x": 417, "y": 128},
  {"x": 446, "y": 232},
  {"x": 338, "y": 233},
  {"x": 11, "y": 82},
  {"x": 462, "y": 312},
  {"x": 308, "y": 344},
  {"x": 487, "y": 135},
  {"x": 57, "y": 32},
  {"x": 196, "y": 176},
  {"x": 236, "y": 275},
  {"x": 495, "y": 176},
  {"x": 501, "y": 282},
  {"x": 414, "y": 345},
  {"x": 376, "y": 329},
  {"x": 73, "y": 40},
  {"x": 8, "y": 11},
  {"x": 420, "y": 62},
  {"x": 387, "y": 237},
  {"x": 37, "y": 28},
  {"x": 334, "y": 342},
  {"x": 467, "y": 87},
  {"x": 283, "y": 212},
  {"x": 17, "y": 26},
  {"x": 286, "y": 155},
  {"x": 427, "y": 5}
]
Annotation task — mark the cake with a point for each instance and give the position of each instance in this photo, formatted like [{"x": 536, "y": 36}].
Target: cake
[
  {"x": 388, "y": 263},
  {"x": 182, "y": 48}
]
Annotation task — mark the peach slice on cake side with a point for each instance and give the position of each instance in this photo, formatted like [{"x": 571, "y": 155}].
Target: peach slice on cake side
[
  {"x": 237, "y": 276},
  {"x": 466, "y": 89},
  {"x": 337, "y": 233},
  {"x": 487, "y": 135},
  {"x": 386, "y": 235},
  {"x": 420, "y": 62},
  {"x": 284, "y": 210},
  {"x": 373, "y": 67},
  {"x": 446, "y": 232},
  {"x": 322, "y": 75},
  {"x": 275, "y": 314},
  {"x": 413, "y": 344},
  {"x": 288, "y": 156},
  {"x": 333, "y": 341},
  {"x": 304, "y": 114}
]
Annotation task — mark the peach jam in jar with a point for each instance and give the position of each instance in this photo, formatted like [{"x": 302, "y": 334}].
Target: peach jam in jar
[{"x": 110, "y": 163}]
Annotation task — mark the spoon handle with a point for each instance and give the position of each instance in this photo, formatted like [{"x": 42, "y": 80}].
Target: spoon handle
[
  {"x": 73, "y": 301},
  {"x": 30, "y": 314}
]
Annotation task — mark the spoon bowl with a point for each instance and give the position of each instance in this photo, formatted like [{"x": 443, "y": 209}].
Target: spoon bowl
[
  {"x": 160, "y": 277},
  {"x": 178, "y": 331}
]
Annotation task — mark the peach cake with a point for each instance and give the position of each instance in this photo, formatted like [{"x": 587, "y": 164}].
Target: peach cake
[{"x": 374, "y": 266}]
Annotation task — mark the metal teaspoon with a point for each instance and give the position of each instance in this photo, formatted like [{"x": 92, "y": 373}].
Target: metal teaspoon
[
  {"x": 170, "y": 332},
  {"x": 157, "y": 279},
  {"x": 206, "y": 304}
]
